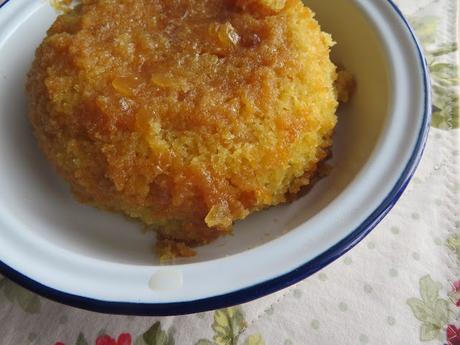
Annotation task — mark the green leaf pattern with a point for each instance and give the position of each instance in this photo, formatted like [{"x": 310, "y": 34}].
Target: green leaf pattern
[
  {"x": 255, "y": 339},
  {"x": 228, "y": 326},
  {"x": 204, "y": 342},
  {"x": 429, "y": 290},
  {"x": 428, "y": 332},
  {"x": 444, "y": 74},
  {"x": 26, "y": 300},
  {"x": 81, "y": 340},
  {"x": 430, "y": 309},
  {"x": 418, "y": 308},
  {"x": 155, "y": 335},
  {"x": 454, "y": 244},
  {"x": 426, "y": 28}
]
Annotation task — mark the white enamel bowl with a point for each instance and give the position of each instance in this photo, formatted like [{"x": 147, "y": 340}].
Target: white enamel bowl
[{"x": 100, "y": 261}]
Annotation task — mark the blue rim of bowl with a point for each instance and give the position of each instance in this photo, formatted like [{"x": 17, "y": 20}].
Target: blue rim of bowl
[{"x": 272, "y": 285}]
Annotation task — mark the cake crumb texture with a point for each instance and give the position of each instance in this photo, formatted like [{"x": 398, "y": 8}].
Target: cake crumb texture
[{"x": 186, "y": 114}]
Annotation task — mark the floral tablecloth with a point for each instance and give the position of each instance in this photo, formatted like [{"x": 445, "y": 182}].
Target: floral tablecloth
[{"x": 401, "y": 285}]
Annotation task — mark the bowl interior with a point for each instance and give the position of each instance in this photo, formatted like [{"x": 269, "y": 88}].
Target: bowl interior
[{"x": 33, "y": 193}]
